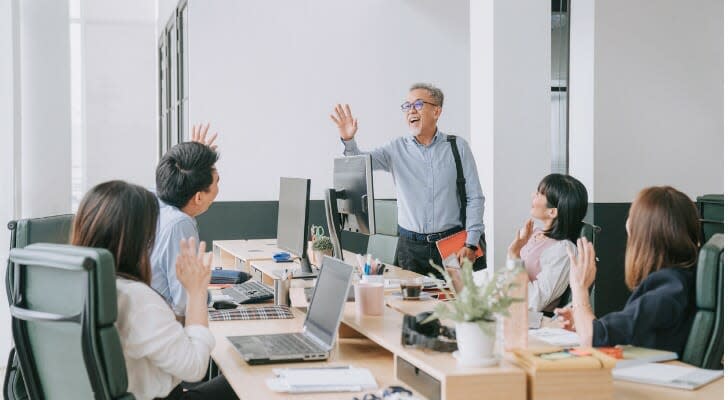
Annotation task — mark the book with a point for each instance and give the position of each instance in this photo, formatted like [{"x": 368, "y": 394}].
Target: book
[
  {"x": 675, "y": 376},
  {"x": 558, "y": 358},
  {"x": 634, "y": 355},
  {"x": 453, "y": 243}
]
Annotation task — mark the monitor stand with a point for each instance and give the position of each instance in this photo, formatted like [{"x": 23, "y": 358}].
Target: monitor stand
[{"x": 306, "y": 271}]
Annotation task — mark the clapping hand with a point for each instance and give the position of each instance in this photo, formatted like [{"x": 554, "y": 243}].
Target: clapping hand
[
  {"x": 522, "y": 236},
  {"x": 583, "y": 267},
  {"x": 193, "y": 266}
]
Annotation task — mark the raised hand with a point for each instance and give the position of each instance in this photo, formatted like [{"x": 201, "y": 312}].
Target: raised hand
[
  {"x": 199, "y": 135},
  {"x": 193, "y": 266},
  {"x": 347, "y": 124},
  {"x": 583, "y": 267},
  {"x": 522, "y": 236}
]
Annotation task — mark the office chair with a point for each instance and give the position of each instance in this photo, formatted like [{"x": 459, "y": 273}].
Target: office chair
[
  {"x": 63, "y": 309},
  {"x": 704, "y": 347},
  {"x": 386, "y": 217},
  {"x": 53, "y": 229},
  {"x": 589, "y": 232},
  {"x": 383, "y": 245}
]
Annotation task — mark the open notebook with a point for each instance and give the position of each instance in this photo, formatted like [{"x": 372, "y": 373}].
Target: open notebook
[{"x": 667, "y": 375}]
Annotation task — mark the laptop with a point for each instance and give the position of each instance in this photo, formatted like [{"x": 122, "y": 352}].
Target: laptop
[{"x": 319, "y": 330}]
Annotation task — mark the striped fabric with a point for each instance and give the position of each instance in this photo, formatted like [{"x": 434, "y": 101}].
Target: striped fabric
[{"x": 252, "y": 312}]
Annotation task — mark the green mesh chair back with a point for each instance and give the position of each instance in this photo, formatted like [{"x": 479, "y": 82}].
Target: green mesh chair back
[
  {"x": 589, "y": 232},
  {"x": 704, "y": 347},
  {"x": 63, "y": 309}
]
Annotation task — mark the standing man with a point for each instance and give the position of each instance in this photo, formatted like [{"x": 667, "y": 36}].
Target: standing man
[
  {"x": 424, "y": 171},
  {"x": 187, "y": 184}
]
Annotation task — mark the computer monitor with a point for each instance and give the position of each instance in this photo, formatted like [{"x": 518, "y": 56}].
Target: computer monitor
[
  {"x": 355, "y": 193},
  {"x": 293, "y": 201},
  {"x": 350, "y": 203}
]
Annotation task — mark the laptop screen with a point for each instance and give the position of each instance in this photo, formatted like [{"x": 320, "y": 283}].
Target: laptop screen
[{"x": 329, "y": 297}]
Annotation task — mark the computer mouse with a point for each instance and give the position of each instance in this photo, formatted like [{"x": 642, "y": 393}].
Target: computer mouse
[{"x": 224, "y": 305}]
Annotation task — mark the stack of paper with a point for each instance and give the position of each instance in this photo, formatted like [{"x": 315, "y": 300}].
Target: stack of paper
[
  {"x": 667, "y": 375},
  {"x": 556, "y": 336},
  {"x": 321, "y": 379}
]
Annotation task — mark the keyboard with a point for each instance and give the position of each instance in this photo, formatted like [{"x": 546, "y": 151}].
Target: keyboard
[
  {"x": 249, "y": 292},
  {"x": 289, "y": 344}
]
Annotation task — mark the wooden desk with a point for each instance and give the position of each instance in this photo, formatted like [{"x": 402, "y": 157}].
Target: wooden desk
[
  {"x": 379, "y": 351},
  {"x": 249, "y": 381},
  {"x": 238, "y": 254}
]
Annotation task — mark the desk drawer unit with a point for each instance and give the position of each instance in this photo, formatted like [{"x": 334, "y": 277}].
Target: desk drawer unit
[{"x": 419, "y": 380}]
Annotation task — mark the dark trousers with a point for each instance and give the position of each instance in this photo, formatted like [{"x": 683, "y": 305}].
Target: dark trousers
[
  {"x": 217, "y": 388},
  {"x": 415, "y": 256}
]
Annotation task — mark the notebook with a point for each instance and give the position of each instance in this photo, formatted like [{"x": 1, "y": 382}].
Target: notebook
[
  {"x": 667, "y": 375},
  {"x": 453, "y": 244}
]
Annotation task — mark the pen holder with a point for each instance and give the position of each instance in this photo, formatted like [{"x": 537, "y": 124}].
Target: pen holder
[{"x": 280, "y": 292}]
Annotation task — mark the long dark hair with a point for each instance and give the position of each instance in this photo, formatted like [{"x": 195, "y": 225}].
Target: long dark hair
[
  {"x": 122, "y": 218},
  {"x": 569, "y": 197},
  {"x": 664, "y": 231}
]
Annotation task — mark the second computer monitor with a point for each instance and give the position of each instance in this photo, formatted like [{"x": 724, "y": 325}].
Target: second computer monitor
[
  {"x": 293, "y": 201},
  {"x": 355, "y": 193}
]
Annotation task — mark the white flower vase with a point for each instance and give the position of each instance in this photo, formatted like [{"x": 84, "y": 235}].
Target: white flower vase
[
  {"x": 318, "y": 255},
  {"x": 475, "y": 347}
]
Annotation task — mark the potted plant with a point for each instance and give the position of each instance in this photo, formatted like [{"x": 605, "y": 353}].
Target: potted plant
[
  {"x": 321, "y": 246},
  {"x": 474, "y": 309}
]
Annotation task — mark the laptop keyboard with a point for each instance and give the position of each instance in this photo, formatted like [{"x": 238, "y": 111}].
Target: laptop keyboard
[
  {"x": 249, "y": 292},
  {"x": 290, "y": 344}
]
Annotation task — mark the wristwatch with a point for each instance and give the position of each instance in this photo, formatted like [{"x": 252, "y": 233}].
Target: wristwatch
[{"x": 472, "y": 247}]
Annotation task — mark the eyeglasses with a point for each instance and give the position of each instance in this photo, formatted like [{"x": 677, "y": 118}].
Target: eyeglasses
[
  {"x": 392, "y": 392},
  {"x": 418, "y": 104}
]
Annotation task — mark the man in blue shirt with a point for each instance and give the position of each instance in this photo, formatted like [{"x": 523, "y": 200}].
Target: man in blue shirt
[
  {"x": 424, "y": 171},
  {"x": 187, "y": 184}
]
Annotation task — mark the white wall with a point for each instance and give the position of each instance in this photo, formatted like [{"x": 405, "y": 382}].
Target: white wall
[
  {"x": 45, "y": 108},
  {"x": 7, "y": 137},
  {"x": 267, "y": 74},
  {"x": 581, "y": 92},
  {"x": 510, "y": 112},
  {"x": 120, "y": 65},
  {"x": 657, "y": 72}
]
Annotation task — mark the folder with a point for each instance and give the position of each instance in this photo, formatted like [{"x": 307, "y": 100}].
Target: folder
[{"x": 453, "y": 243}]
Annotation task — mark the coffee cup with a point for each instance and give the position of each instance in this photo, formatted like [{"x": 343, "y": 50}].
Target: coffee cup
[
  {"x": 411, "y": 288},
  {"x": 369, "y": 298}
]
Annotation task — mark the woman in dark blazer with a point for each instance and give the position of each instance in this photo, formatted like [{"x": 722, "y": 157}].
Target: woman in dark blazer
[{"x": 662, "y": 250}]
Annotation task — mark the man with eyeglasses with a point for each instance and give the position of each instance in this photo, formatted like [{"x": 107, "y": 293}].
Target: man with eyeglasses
[{"x": 424, "y": 171}]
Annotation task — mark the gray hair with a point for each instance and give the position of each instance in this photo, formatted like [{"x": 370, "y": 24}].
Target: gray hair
[{"x": 434, "y": 92}]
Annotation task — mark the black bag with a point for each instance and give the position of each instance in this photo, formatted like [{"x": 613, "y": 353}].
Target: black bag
[
  {"x": 481, "y": 262},
  {"x": 14, "y": 384}
]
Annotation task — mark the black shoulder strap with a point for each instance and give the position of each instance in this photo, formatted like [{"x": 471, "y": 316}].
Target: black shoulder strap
[{"x": 461, "y": 177}]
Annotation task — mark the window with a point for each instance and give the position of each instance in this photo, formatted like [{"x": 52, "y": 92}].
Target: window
[
  {"x": 560, "y": 22},
  {"x": 173, "y": 93}
]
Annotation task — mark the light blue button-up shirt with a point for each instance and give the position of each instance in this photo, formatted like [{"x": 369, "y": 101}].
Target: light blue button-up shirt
[
  {"x": 173, "y": 225},
  {"x": 425, "y": 180}
]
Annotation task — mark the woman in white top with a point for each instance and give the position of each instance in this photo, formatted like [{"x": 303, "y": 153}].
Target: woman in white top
[
  {"x": 159, "y": 352},
  {"x": 560, "y": 204}
]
